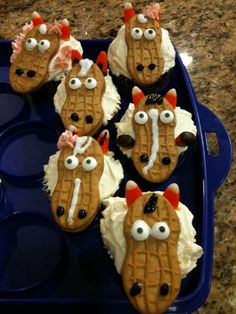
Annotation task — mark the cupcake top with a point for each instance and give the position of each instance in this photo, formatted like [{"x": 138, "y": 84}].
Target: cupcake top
[{"x": 142, "y": 50}]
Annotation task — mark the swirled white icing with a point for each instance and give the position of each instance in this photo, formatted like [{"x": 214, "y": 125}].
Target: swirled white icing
[
  {"x": 118, "y": 51},
  {"x": 111, "y": 226}
]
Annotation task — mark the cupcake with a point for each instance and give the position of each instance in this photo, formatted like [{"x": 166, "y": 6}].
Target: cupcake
[
  {"x": 142, "y": 53},
  {"x": 41, "y": 54}
]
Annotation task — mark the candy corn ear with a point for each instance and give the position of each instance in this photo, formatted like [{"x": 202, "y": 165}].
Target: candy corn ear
[
  {"x": 36, "y": 19},
  {"x": 137, "y": 95},
  {"x": 132, "y": 192},
  {"x": 171, "y": 97},
  {"x": 75, "y": 57},
  {"x": 65, "y": 30},
  {"x": 102, "y": 62},
  {"x": 172, "y": 194},
  {"x": 103, "y": 141},
  {"x": 128, "y": 12}
]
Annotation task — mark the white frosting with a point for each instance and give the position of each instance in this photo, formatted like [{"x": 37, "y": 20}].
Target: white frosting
[
  {"x": 58, "y": 74},
  {"x": 112, "y": 174},
  {"x": 85, "y": 65},
  {"x": 111, "y": 227},
  {"x": 80, "y": 148},
  {"x": 74, "y": 200},
  {"x": 110, "y": 99},
  {"x": 184, "y": 123},
  {"x": 118, "y": 51}
]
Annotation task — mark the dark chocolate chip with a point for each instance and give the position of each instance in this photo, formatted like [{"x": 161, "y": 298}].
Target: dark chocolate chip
[
  {"x": 154, "y": 99},
  {"x": 82, "y": 214},
  {"x": 89, "y": 119},
  {"x": 144, "y": 158},
  {"x": 125, "y": 141},
  {"x": 136, "y": 289},
  {"x": 31, "y": 73},
  {"x": 164, "y": 289},
  {"x": 139, "y": 67},
  {"x": 187, "y": 138},
  {"x": 19, "y": 72},
  {"x": 151, "y": 66},
  {"x": 60, "y": 211},
  {"x": 166, "y": 161},
  {"x": 151, "y": 204},
  {"x": 74, "y": 117}
]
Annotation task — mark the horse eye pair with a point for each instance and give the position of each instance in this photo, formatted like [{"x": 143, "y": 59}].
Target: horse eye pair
[
  {"x": 75, "y": 83},
  {"x": 88, "y": 164},
  {"x": 43, "y": 45},
  {"x": 141, "y": 117},
  {"x": 137, "y": 33},
  {"x": 140, "y": 230}
]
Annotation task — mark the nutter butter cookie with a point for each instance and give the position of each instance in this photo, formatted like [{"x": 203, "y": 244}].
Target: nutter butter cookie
[
  {"x": 147, "y": 133},
  {"x": 76, "y": 178},
  {"x": 42, "y": 52},
  {"x": 151, "y": 271},
  {"x": 87, "y": 98}
]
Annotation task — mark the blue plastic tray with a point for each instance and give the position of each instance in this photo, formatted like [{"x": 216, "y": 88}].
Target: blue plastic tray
[{"x": 41, "y": 264}]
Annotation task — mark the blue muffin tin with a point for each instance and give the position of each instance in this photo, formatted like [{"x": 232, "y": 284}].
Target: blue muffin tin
[{"x": 39, "y": 263}]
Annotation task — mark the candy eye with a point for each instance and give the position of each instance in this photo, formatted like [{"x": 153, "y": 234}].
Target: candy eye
[
  {"x": 71, "y": 162},
  {"x": 44, "y": 45},
  {"x": 149, "y": 34},
  {"x": 166, "y": 116},
  {"x": 160, "y": 230},
  {"x": 136, "y": 33},
  {"x": 75, "y": 83},
  {"x": 90, "y": 83},
  {"x": 30, "y": 44},
  {"x": 89, "y": 163},
  {"x": 141, "y": 117},
  {"x": 140, "y": 230}
]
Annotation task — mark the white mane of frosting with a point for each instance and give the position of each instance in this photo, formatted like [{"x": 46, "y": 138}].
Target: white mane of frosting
[
  {"x": 184, "y": 123},
  {"x": 111, "y": 226},
  {"x": 110, "y": 99},
  {"x": 112, "y": 173},
  {"x": 117, "y": 53}
]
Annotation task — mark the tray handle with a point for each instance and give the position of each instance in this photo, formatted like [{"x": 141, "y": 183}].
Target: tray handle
[{"x": 217, "y": 164}]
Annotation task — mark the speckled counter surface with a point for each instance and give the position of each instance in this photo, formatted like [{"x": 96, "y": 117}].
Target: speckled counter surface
[{"x": 206, "y": 31}]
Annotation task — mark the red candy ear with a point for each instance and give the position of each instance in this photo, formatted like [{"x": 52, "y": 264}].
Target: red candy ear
[
  {"x": 171, "y": 97},
  {"x": 172, "y": 194},
  {"x": 75, "y": 57},
  {"x": 137, "y": 95},
  {"x": 102, "y": 62},
  {"x": 128, "y": 12},
  {"x": 132, "y": 192},
  {"x": 65, "y": 30},
  {"x": 103, "y": 141},
  {"x": 36, "y": 19}
]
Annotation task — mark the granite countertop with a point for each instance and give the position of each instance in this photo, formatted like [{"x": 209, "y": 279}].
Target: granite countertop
[{"x": 205, "y": 30}]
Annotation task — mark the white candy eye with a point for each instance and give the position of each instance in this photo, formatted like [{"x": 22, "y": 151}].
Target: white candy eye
[
  {"x": 74, "y": 83},
  {"x": 166, "y": 116},
  {"x": 44, "y": 45},
  {"x": 136, "y": 33},
  {"x": 141, "y": 117},
  {"x": 89, "y": 163},
  {"x": 140, "y": 230},
  {"x": 149, "y": 34},
  {"x": 30, "y": 44},
  {"x": 71, "y": 162},
  {"x": 160, "y": 230},
  {"x": 142, "y": 19},
  {"x": 90, "y": 83}
]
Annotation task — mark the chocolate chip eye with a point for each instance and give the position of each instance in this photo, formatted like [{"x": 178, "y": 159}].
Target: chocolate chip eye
[
  {"x": 89, "y": 164},
  {"x": 160, "y": 230},
  {"x": 166, "y": 116},
  {"x": 19, "y": 72},
  {"x": 149, "y": 34},
  {"x": 30, "y": 44},
  {"x": 139, "y": 67},
  {"x": 71, "y": 162},
  {"x": 144, "y": 158},
  {"x": 74, "y": 116},
  {"x": 60, "y": 211},
  {"x": 166, "y": 161},
  {"x": 140, "y": 230},
  {"x": 141, "y": 117},
  {"x": 89, "y": 119},
  {"x": 74, "y": 83},
  {"x": 90, "y": 83},
  {"x": 136, "y": 33},
  {"x": 44, "y": 45}
]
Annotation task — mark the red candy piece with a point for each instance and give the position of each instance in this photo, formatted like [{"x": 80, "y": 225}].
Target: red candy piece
[
  {"x": 128, "y": 12},
  {"x": 65, "y": 30},
  {"x": 137, "y": 95},
  {"x": 172, "y": 194},
  {"x": 102, "y": 61},
  {"x": 37, "y": 19},
  {"x": 171, "y": 97},
  {"x": 132, "y": 192},
  {"x": 103, "y": 141}
]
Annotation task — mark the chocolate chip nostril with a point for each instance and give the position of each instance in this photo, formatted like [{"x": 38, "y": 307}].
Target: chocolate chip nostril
[
  {"x": 60, "y": 211},
  {"x": 31, "y": 73},
  {"x": 139, "y": 67},
  {"x": 19, "y": 72},
  {"x": 164, "y": 289},
  {"x": 151, "y": 66}
]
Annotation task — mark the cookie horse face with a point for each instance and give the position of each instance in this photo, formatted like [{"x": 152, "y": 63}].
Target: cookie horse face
[
  {"x": 85, "y": 86},
  {"x": 29, "y": 70},
  {"x": 75, "y": 200},
  {"x": 151, "y": 273},
  {"x": 143, "y": 37}
]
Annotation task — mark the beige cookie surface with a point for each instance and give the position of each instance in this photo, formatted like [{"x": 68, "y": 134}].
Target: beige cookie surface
[
  {"x": 151, "y": 273},
  {"x": 83, "y": 106},
  {"x": 75, "y": 200},
  {"x": 154, "y": 139},
  {"x": 145, "y": 62},
  {"x": 30, "y": 69}
]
